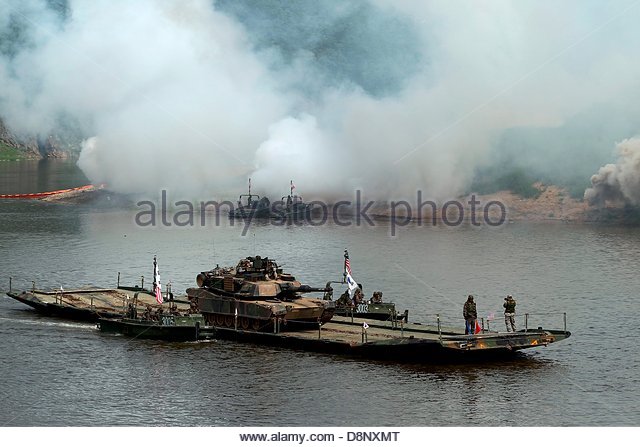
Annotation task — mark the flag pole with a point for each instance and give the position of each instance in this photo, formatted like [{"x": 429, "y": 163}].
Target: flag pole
[
  {"x": 344, "y": 269},
  {"x": 155, "y": 270},
  {"x": 156, "y": 282}
]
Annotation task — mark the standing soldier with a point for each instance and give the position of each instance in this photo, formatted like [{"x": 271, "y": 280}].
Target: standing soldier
[
  {"x": 470, "y": 315},
  {"x": 510, "y": 313}
]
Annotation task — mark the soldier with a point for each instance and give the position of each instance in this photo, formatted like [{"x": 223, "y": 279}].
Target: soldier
[
  {"x": 193, "y": 306},
  {"x": 510, "y": 313},
  {"x": 470, "y": 315},
  {"x": 130, "y": 311},
  {"x": 289, "y": 203},
  {"x": 376, "y": 298},
  {"x": 358, "y": 296},
  {"x": 344, "y": 299}
]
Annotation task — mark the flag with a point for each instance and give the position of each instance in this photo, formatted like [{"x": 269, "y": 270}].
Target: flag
[
  {"x": 351, "y": 283},
  {"x": 365, "y": 325},
  {"x": 491, "y": 316},
  {"x": 292, "y": 186},
  {"x": 478, "y": 328},
  {"x": 347, "y": 263},
  {"x": 156, "y": 281}
]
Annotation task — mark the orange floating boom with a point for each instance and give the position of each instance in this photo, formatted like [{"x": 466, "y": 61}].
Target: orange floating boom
[{"x": 37, "y": 195}]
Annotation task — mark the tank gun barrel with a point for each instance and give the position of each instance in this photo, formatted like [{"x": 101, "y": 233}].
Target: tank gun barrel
[
  {"x": 304, "y": 288},
  {"x": 290, "y": 289}
]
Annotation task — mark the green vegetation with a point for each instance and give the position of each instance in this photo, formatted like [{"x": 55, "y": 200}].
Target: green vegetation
[
  {"x": 576, "y": 187},
  {"x": 516, "y": 180},
  {"x": 9, "y": 153}
]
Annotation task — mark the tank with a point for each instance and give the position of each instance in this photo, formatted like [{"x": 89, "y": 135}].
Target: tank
[{"x": 257, "y": 295}]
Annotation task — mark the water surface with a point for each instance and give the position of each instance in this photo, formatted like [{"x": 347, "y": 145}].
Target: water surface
[{"x": 56, "y": 372}]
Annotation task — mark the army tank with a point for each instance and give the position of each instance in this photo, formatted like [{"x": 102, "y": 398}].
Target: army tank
[{"x": 257, "y": 295}]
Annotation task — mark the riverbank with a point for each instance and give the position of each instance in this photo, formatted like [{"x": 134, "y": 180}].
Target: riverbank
[{"x": 9, "y": 153}]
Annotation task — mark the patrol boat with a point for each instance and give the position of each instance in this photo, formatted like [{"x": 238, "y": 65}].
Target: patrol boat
[{"x": 253, "y": 207}]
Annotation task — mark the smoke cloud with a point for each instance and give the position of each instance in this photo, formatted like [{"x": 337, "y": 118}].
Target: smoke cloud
[
  {"x": 619, "y": 182},
  {"x": 387, "y": 96}
]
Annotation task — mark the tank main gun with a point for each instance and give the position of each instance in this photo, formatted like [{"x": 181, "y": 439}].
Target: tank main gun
[{"x": 291, "y": 289}]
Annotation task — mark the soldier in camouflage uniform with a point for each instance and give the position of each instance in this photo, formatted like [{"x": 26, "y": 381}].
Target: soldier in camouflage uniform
[
  {"x": 376, "y": 298},
  {"x": 470, "y": 315},
  {"x": 344, "y": 299},
  {"x": 510, "y": 313},
  {"x": 358, "y": 296}
]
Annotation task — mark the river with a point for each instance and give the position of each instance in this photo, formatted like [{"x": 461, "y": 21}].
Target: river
[{"x": 56, "y": 372}]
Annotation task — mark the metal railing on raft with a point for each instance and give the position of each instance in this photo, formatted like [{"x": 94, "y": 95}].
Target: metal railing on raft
[
  {"x": 526, "y": 317},
  {"x": 33, "y": 283},
  {"x": 60, "y": 293},
  {"x": 445, "y": 326}
]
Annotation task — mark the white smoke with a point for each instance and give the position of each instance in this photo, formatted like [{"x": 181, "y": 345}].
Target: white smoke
[
  {"x": 188, "y": 96},
  {"x": 171, "y": 89},
  {"x": 619, "y": 182}
]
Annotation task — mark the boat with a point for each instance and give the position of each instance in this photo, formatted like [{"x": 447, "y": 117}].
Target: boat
[
  {"x": 256, "y": 294},
  {"x": 172, "y": 327},
  {"x": 252, "y": 206},
  {"x": 372, "y": 309},
  {"x": 353, "y": 304},
  {"x": 293, "y": 207}
]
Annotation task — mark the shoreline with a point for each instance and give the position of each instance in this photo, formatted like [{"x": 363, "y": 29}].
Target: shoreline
[{"x": 552, "y": 205}]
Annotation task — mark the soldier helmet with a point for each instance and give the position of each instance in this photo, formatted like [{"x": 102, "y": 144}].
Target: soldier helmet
[
  {"x": 509, "y": 296},
  {"x": 470, "y": 297}
]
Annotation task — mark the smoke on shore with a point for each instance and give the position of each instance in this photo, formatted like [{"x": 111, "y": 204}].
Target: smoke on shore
[
  {"x": 197, "y": 96},
  {"x": 619, "y": 182}
]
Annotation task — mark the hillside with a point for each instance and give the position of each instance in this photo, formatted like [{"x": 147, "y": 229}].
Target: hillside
[{"x": 14, "y": 147}]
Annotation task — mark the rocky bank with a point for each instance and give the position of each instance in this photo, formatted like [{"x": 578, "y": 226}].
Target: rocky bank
[{"x": 35, "y": 146}]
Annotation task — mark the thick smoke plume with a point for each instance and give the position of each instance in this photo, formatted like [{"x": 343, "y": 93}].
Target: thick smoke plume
[
  {"x": 619, "y": 182},
  {"x": 387, "y": 96}
]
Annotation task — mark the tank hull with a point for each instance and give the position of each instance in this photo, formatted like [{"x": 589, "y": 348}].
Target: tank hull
[{"x": 225, "y": 310}]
